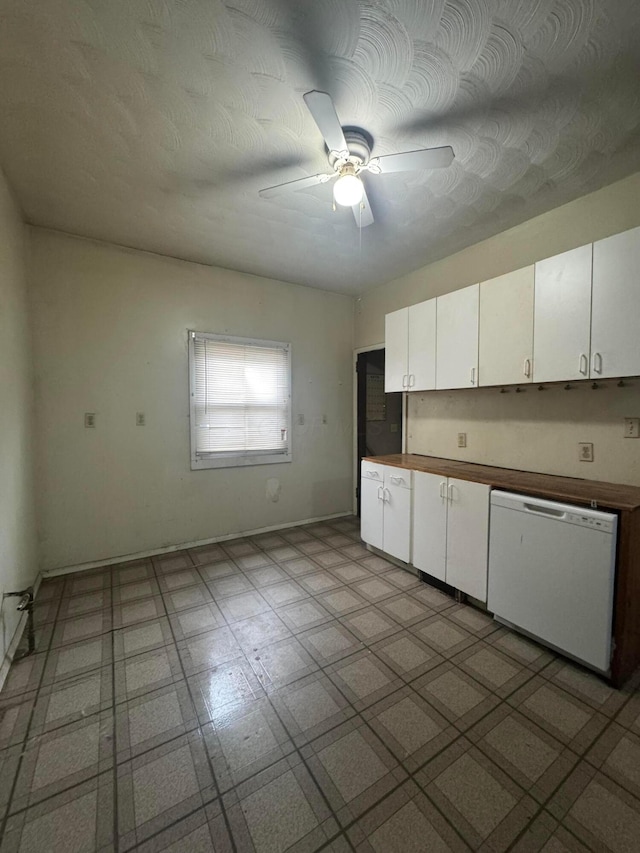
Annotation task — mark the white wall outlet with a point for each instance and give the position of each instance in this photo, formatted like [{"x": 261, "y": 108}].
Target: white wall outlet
[
  {"x": 585, "y": 451},
  {"x": 632, "y": 427},
  {"x": 140, "y": 419},
  {"x": 300, "y": 420},
  {"x": 462, "y": 439},
  {"x": 89, "y": 420}
]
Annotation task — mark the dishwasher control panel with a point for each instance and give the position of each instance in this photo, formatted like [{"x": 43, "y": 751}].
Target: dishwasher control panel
[{"x": 603, "y": 524}]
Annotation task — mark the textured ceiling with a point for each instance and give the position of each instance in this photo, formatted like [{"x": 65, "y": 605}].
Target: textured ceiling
[{"x": 154, "y": 123}]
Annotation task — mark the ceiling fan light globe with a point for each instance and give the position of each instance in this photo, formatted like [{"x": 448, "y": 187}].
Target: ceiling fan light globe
[{"x": 348, "y": 190}]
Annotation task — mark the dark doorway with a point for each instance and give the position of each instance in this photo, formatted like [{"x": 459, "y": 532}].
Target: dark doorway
[{"x": 379, "y": 414}]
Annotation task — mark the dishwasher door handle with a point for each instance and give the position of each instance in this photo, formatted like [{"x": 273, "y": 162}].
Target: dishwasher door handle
[{"x": 544, "y": 510}]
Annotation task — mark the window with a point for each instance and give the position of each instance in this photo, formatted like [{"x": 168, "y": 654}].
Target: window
[{"x": 240, "y": 401}]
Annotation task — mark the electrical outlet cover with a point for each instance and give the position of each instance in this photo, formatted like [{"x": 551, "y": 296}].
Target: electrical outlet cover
[
  {"x": 90, "y": 420},
  {"x": 462, "y": 439},
  {"x": 585, "y": 451},
  {"x": 632, "y": 427}
]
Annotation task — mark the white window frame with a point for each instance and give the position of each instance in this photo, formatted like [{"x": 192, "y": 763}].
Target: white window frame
[{"x": 240, "y": 459}]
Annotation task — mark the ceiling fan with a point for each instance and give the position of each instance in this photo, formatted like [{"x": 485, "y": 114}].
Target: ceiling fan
[{"x": 349, "y": 154}]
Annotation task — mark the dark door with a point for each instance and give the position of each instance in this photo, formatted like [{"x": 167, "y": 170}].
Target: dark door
[{"x": 379, "y": 415}]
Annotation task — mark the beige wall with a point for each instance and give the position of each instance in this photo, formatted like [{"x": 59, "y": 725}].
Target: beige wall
[
  {"x": 111, "y": 337},
  {"x": 17, "y": 523},
  {"x": 535, "y": 430}
]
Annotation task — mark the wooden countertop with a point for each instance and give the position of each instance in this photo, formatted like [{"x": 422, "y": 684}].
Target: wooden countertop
[{"x": 606, "y": 495}]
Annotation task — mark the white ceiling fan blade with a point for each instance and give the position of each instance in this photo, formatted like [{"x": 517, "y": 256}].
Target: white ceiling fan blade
[
  {"x": 362, "y": 212},
  {"x": 410, "y": 161},
  {"x": 324, "y": 114},
  {"x": 299, "y": 184}
]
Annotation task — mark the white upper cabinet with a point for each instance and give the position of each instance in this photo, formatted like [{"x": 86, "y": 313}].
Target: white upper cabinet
[
  {"x": 457, "y": 340},
  {"x": 506, "y": 329},
  {"x": 396, "y": 345},
  {"x": 410, "y": 344},
  {"x": 422, "y": 346},
  {"x": 615, "y": 307},
  {"x": 562, "y": 316}
]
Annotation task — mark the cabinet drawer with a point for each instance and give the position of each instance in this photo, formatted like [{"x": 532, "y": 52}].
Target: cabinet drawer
[
  {"x": 373, "y": 471},
  {"x": 399, "y": 477}
]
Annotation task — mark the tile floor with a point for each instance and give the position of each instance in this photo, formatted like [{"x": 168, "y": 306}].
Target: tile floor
[{"x": 293, "y": 691}]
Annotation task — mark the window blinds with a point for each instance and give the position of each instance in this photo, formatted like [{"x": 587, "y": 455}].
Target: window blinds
[{"x": 240, "y": 397}]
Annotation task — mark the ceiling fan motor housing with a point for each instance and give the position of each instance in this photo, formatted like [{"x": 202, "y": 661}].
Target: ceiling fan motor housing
[{"x": 359, "y": 145}]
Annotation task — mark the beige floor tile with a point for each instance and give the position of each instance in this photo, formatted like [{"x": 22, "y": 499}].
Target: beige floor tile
[
  {"x": 363, "y": 679},
  {"x": 407, "y": 656},
  {"x": 304, "y": 615},
  {"x": 481, "y": 801},
  {"x": 260, "y": 631},
  {"x": 454, "y": 694},
  {"x": 408, "y": 726},
  {"x": 245, "y": 741},
  {"x": 598, "y": 812},
  {"x": 310, "y": 707},
  {"x": 162, "y": 786},
  {"x": 566, "y": 718},
  {"x": 79, "y": 819},
  {"x": 405, "y": 822},
  {"x": 353, "y": 769},
  {"x": 329, "y": 642},
  {"x": 279, "y": 809},
  {"x": 225, "y": 687},
  {"x": 370, "y": 624}
]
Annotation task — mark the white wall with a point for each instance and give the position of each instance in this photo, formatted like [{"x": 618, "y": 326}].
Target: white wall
[
  {"x": 17, "y": 521},
  {"x": 534, "y": 431},
  {"x": 110, "y": 336}
]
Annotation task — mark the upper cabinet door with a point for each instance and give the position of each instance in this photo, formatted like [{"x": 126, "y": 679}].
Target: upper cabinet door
[
  {"x": 615, "y": 307},
  {"x": 422, "y": 346},
  {"x": 562, "y": 316},
  {"x": 396, "y": 344},
  {"x": 457, "y": 338},
  {"x": 506, "y": 329}
]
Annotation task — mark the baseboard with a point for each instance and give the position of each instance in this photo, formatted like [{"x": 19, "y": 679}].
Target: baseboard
[
  {"x": 141, "y": 555},
  {"x": 17, "y": 636}
]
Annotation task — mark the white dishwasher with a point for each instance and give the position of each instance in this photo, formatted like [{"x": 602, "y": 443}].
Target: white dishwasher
[{"x": 551, "y": 574}]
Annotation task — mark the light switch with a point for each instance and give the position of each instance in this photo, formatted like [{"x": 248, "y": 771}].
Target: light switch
[
  {"x": 140, "y": 419},
  {"x": 90, "y": 420}
]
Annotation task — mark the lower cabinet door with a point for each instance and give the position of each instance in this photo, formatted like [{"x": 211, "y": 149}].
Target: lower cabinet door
[
  {"x": 430, "y": 524},
  {"x": 468, "y": 537},
  {"x": 397, "y": 522},
  {"x": 371, "y": 512}
]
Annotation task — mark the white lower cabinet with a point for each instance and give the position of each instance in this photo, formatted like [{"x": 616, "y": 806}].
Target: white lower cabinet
[
  {"x": 451, "y": 531},
  {"x": 385, "y": 494}
]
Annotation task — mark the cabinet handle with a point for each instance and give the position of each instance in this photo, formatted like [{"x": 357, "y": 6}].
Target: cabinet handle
[
  {"x": 397, "y": 479},
  {"x": 473, "y": 376},
  {"x": 373, "y": 474},
  {"x": 450, "y": 493},
  {"x": 584, "y": 364},
  {"x": 443, "y": 486},
  {"x": 386, "y": 492},
  {"x": 412, "y": 380},
  {"x": 380, "y": 493},
  {"x": 527, "y": 367},
  {"x": 597, "y": 362},
  {"x": 405, "y": 378}
]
